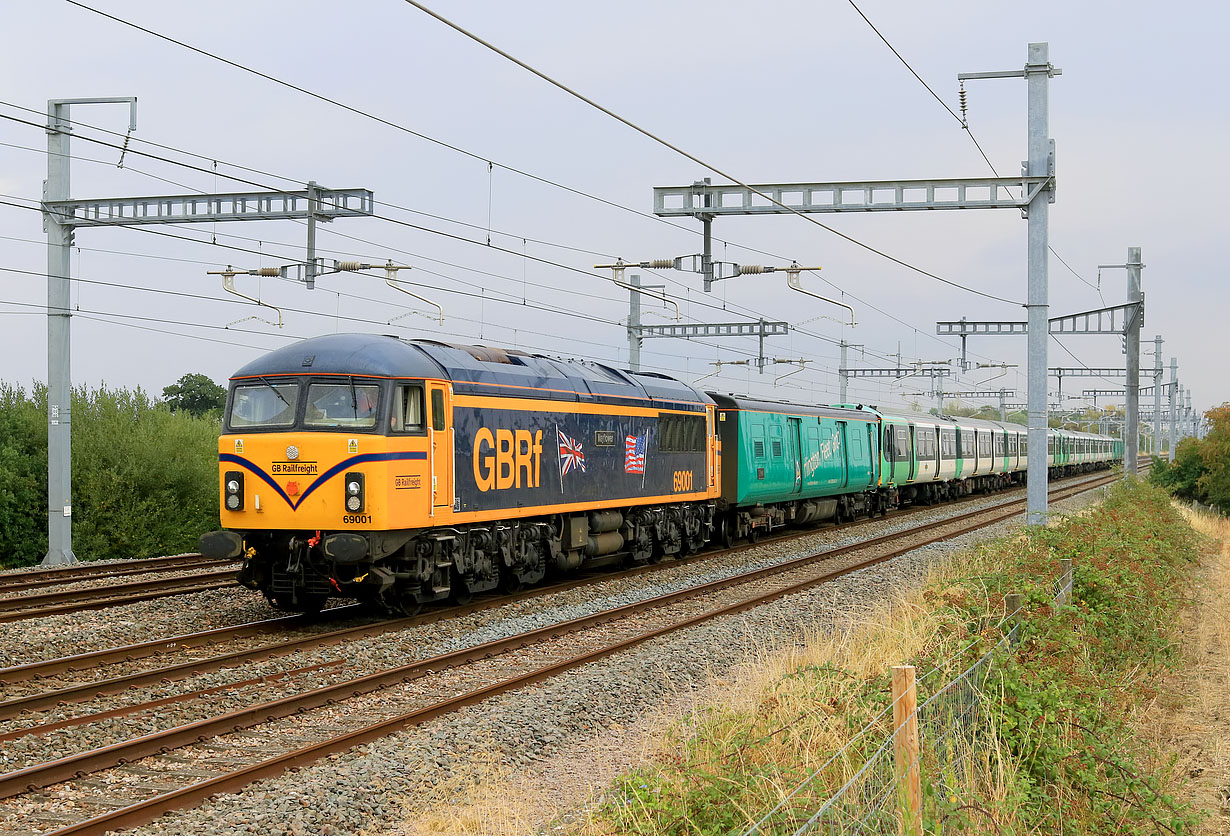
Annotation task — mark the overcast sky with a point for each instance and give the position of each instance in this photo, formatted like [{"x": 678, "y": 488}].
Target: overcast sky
[{"x": 769, "y": 92}]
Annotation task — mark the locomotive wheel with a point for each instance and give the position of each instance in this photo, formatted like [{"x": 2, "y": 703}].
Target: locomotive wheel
[{"x": 461, "y": 594}]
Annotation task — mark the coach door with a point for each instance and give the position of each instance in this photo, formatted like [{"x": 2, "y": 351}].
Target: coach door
[
  {"x": 842, "y": 452},
  {"x": 795, "y": 443},
  {"x": 913, "y": 447},
  {"x": 440, "y": 446}
]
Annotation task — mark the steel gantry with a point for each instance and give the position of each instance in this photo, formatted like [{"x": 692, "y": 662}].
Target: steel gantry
[
  {"x": 62, "y": 216},
  {"x": 1002, "y": 394},
  {"x": 1123, "y": 320},
  {"x": 936, "y": 372},
  {"x": 1034, "y": 192},
  {"x": 638, "y": 332}
]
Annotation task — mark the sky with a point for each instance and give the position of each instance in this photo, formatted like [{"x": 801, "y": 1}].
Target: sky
[{"x": 501, "y": 192}]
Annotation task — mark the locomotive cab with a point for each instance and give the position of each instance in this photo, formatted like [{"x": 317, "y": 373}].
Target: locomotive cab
[
  {"x": 339, "y": 463},
  {"x": 324, "y": 458}
]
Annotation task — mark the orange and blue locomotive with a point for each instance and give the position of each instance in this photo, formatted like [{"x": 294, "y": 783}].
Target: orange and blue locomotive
[{"x": 367, "y": 467}]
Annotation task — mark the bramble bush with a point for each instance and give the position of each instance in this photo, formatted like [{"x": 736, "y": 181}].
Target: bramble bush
[{"x": 144, "y": 478}]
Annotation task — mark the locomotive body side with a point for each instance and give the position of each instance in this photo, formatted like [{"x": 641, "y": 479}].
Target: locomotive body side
[{"x": 405, "y": 473}]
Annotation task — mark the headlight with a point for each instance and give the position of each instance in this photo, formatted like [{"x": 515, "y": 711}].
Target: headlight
[
  {"x": 232, "y": 482},
  {"x": 355, "y": 499}
]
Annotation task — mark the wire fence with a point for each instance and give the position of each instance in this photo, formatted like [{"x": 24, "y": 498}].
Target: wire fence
[{"x": 869, "y": 798}]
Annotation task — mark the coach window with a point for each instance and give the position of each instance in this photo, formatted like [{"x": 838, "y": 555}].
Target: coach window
[{"x": 407, "y": 416}]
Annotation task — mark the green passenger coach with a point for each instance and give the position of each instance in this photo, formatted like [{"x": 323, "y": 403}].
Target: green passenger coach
[{"x": 788, "y": 464}]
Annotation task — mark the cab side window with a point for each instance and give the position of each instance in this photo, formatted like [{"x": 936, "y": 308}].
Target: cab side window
[
  {"x": 437, "y": 409},
  {"x": 407, "y": 415}
]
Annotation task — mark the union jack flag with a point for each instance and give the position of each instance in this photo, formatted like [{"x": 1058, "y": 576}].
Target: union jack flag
[
  {"x": 570, "y": 453},
  {"x": 634, "y": 453}
]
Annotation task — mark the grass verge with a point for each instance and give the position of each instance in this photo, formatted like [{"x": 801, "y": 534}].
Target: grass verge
[
  {"x": 1056, "y": 745},
  {"x": 1055, "y": 750}
]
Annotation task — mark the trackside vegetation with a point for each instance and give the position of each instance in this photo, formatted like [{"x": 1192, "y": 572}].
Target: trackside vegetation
[
  {"x": 144, "y": 477},
  {"x": 1054, "y": 747},
  {"x": 1201, "y": 467}
]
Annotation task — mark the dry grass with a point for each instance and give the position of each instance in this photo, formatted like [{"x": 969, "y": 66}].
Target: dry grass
[
  {"x": 486, "y": 799},
  {"x": 1190, "y": 722}
]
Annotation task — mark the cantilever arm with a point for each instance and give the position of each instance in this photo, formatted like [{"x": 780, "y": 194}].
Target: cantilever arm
[
  {"x": 228, "y": 284},
  {"x": 390, "y": 279},
  {"x": 660, "y": 295},
  {"x": 792, "y": 279}
]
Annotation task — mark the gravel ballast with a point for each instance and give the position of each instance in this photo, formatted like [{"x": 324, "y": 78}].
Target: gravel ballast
[{"x": 539, "y": 730}]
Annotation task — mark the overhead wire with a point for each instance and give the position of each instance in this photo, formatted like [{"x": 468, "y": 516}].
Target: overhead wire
[
  {"x": 965, "y": 126},
  {"x": 416, "y": 226},
  {"x": 748, "y": 248},
  {"x": 427, "y": 229},
  {"x": 457, "y": 149},
  {"x": 962, "y": 122},
  {"x": 711, "y": 167}
]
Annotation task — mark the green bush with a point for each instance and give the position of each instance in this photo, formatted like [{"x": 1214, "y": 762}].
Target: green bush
[
  {"x": 1201, "y": 466},
  {"x": 144, "y": 478}
]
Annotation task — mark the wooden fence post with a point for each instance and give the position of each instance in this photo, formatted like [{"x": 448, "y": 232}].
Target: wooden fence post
[
  {"x": 905, "y": 749},
  {"x": 1065, "y": 578},
  {"x": 1013, "y": 602}
]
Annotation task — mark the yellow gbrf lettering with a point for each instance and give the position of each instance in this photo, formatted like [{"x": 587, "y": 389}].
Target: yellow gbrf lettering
[
  {"x": 484, "y": 465},
  {"x": 537, "y": 456},
  {"x": 523, "y": 444},
  {"x": 505, "y": 459}
]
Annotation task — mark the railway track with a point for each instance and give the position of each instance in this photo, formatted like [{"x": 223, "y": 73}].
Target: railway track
[
  {"x": 39, "y": 577},
  {"x": 56, "y": 687},
  {"x": 22, "y": 605},
  {"x": 265, "y": 739}
]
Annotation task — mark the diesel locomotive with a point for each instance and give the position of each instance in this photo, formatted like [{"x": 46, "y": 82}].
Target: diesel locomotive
[{"x": 405, "y": 472}]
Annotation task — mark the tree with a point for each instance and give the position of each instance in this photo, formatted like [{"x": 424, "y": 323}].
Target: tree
[
  {"x": 1201, "y": 467},
  {"x": 195, "y": 394}
]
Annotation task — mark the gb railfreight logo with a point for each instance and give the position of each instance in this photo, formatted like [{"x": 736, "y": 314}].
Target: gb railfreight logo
[{"x": 507, "y": 459}]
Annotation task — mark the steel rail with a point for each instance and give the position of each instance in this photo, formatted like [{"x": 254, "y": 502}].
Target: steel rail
[
  {"x": 147, "y": 810},
  {"x": 111, "y": 590},
  {"x": 103, "y": 603},
  {"x": 91, "y": 569},
  {"x": 52, "y": 772},
  {"x": 96, "y": 598},
  {"x": 86, "y": 691},
  {"x": 21, "y": 581}
]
